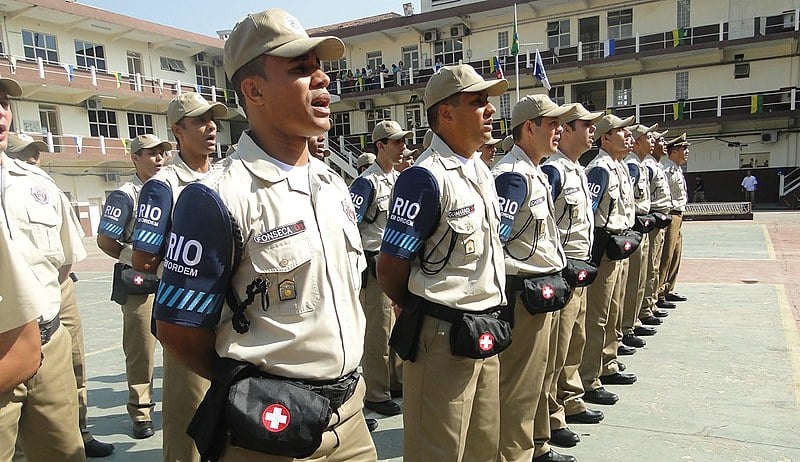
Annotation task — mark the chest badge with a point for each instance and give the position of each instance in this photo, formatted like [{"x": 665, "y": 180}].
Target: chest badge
[
  {"x": 469, "y": 247},
  {"x": 287, "y": 290},
  {"x": 40, "y": 194}
]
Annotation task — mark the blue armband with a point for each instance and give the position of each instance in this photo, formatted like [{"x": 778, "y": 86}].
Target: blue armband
[
  {"x": 413, "y": 213},
  {"x": 153, "y": 218},
  {"x": 512, "y": 191},
  {"x": 117, "y": 211},
  {"x": 361, "y": 193}
]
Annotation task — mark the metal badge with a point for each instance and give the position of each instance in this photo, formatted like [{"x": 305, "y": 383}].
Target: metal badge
[
  {"x": 469, "y": 247},
  {"x": 287, "y": 290}
]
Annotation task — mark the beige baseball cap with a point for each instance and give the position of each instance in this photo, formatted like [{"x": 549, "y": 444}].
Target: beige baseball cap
[
  {"x": 533, "y": 106},
  {"x": 11, "y": 87},
  {"x": 193, "y": 105},
  {"x": 365, "y": 159},
  {"x": 610, "y": 122},
  {"x": 461, "y": 78},
  {"x": 274, "y": 32},
  {"x": 659, "y": 135},
  {"x": 639, "y": 130},
  {"x": 508, "y": 143},
  {"x": 493, "y": 141},
  {"x": 389, "y": 129},
  {"x": 410, "y": 152},
  {"x": 679, "y": 141},
  {"x": 580, "y": 113},
  {"x": 18, "y": 142},
  {"x": 148, "y": 142},
  {"x": 427, "y": 139}
]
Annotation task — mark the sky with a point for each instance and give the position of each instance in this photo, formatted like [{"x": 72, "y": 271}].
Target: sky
[{"x": 208, "y": 16}]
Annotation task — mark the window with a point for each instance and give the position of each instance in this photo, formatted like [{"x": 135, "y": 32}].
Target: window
[
  {"x": 341, "y": 125},
  {"x": 413, "y": 116},
  {"x": 741, "y": 71},
  {"x": 558, "y": 34},
  {"x": 173, "y": 65},
  {"x": 411, "y": 56},
  {"x": 620, "y": 24},
  {"x": 681, "y": 85},
  {"x": 333, "y": 66},
  {"x": 505, "y": 105},
  {"x": 557, "y": 94},
  {"x": 206, "y": 75},
  {"x": 90, "y": 54},
  {"x": 502, "y": 41},
  {"x": 140, "y": 124},
  {"x": 374, "y": 59},
  {"x": 134, "y": 63},
  {"x": 684, "y": 14},
  {"x": 103, "y": 123},
  {"x": 448, "y": 51},
  {"x": 377, "y": 115},
  {"x": 48, "y": 120},
  {"x": 38, "y": 45},
  {"x": 622, "y": 92}
]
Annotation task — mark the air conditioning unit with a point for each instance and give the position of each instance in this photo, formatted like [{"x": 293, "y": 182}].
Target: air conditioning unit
[
  {"x": 365, "y": 105},
  {"x": 430, "y": 35},
  {"x": 459, "y": 31},
  {"x": 216, "y": 62},
  {"x": 200, "y": 57},
  {"x": 93, "y": 104},
  {"x": 111, "y": 177},
  {"x": 770, "y": 136}
]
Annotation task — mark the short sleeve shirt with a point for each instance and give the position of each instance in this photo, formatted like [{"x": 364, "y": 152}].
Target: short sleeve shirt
[
  {"x": 660, "y": 196},
  {"x": 119, "y": 214},
  {"x": 371, "y": 193},
  {"x": 572, "y": 205},
  {"x": 607, "y": 193},
  {"x": 640, "y": 182},
  {"x": 677, "y": 184}
]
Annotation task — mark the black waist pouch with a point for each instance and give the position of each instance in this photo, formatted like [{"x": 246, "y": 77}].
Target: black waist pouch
[
  {"x": 543, "y": 294},
  {"x": 662, "y": 219},
  {"x": 579, "y": 273},
  {"x": 119, "y": 293},
  {"x": 644, "y": 223},
  {"x": 621, "y": 246},
  {"x": 137, "y": 282},
  {"x": 479, "y": 335},
  {"x": 405, "y": 333},
  {"x": 276, "y": 417}
]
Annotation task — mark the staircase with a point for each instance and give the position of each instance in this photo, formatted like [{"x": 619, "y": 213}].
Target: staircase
[
  {"x": 789, "y": 189},
  {"x": 343, "y": 157}
]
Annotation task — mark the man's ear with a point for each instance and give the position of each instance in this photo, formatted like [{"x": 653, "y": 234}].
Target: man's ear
[{"x": 252, "y": 89}]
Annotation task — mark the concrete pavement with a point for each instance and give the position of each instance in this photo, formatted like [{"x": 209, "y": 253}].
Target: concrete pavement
[{"x": 719, "y": 382}]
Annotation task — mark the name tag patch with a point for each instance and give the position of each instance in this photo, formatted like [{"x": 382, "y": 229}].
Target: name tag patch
[
  {"x": 281, "y": 232},
  {"x": 537, "y": 201},
  {"x": 462, "y": 212}
]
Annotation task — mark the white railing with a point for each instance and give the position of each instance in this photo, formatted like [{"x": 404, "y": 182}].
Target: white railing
[{"x": 788, "y": 183}]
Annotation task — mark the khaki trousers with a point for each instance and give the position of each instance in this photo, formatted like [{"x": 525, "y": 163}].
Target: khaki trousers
[
  {"x": 381, "y": 367},
  {"x": 182, "y": 390},
  {"x": 671, "y": 256},
  {"x": 71, "y": 319},
  {"x": 651, "y": 277},
  {"x": 43, "y": 411},
  {"x": 635, "y": 286},
  {"x": 599, "y": 298},
  {"x": 566, "y": 389},
  {"x": 615, "y": 322},
  {"x": 450, "y": 403},
  {"x": 523, "y": 367},
  {"x": 347, "y": 439},
  {"x": 139, "y": 346}
]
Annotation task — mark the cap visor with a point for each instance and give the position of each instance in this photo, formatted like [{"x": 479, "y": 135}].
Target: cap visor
[
  {"x": 327, "y": 48},
  {"x": 557, "y": 112},
  {"x": 626, "y": 122},
  {"x": 11, "y": 87},
  {"x": 492, "y": 87},
  {"x": 220, "y": 111},
  {"x": 399, "y": 135},
  {"x": 592, "y": 116}
]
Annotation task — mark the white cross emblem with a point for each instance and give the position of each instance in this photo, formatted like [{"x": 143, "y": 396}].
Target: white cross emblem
[
  {"x": 548, "y": 292},
  {"x": 628, "y": 245},
  {"x": 486, "y": 341},
  {"x": 275, "y": 418},
  {"x": 582, "y": 275},
  {"x": 138, "y": 280}
]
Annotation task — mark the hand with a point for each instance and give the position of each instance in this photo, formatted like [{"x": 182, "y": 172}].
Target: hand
[{"x": 397, "y": 309}]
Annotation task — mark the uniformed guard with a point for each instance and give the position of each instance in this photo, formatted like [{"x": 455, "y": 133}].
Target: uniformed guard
[
  {"x": 441, "y": 263},
  {"x": 365, "y": 161},
  {"x": 263, "y": 267},
  {"x": 575, "y": 220},
  {"x": 406, "y": 160},
  {"x": 26, "y": 149},
  {"x": 606, "y": 177},
  {"x": 677, "y": 154},
  {"x": 507, "y": 144},
  {"x": 42, "y": 410},
  {"x": 131, "y": 289},
  {"x": 191, "y": 120},
  {"x": 488, "y": 151},
  {"x": 534, "y": 259},
  {"x": 371, "y": 193}
]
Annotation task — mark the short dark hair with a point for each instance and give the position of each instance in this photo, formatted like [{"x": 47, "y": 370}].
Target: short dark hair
[
  {"x": 253, "y": 68},
  {"x": 517, "y": 131},
  {"x": 375, "y": 144},
  {"x": 433, "y": 111}
]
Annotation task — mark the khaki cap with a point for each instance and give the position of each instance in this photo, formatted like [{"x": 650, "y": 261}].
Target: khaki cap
[
  {"x": 11, "y": 87},
  {"x": 580, "y": 113},
  {"x": 492, "y": 142},
  {"x": 193, "y": 105},
  {"x": 462, "y": 78},
  {"x": 274, "y": 32},
  {"x": 679, "y": 141},
  {"x": 410, "y": 152},
  {"x": 365, "y": 159},
  {"x": 533, "y": 106},
  {"x": 508, "y": 143},
  {"x": 659, "y": 135},
  {"x": 427, "y": 139},
  {"x": 610, "y": 122},
  {"x": 148, "y": 142},
  {"x": 389, "y": 129},
  {"x": 639, "y": 130},
  {"x": 18, "y": 142}
]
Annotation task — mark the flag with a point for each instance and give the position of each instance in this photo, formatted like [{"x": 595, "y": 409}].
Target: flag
[
  {"x": 70, "y": 72},
  {"x": 118, "y": 78},
  {"x": 13, "y": 61},
  {"x": 677, "y": 36},
  {"x": 611, "y": 48},
  {"x": 225, "y": 94},
  {"x": 78, "y": 142},
  {"x": 125, "y": 146},
  {"x": 756, "y": 103},
  {"x": 515, "y": 42},
  {"x": 539, "y": 72},
  {"x": 677, "y": 110},
  {"x": 499, "y": 68},
  {"x": 492, "y": 64}
]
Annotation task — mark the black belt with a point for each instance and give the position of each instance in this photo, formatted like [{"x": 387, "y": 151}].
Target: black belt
[
  {"x": 451, "y": 315},
  {"x": 337, "y": 391},
  {"x": 47, "y": 329}
]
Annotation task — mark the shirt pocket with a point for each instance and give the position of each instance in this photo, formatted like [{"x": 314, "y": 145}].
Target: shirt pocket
[
  {"x": 468, "y": 246},
  {"x": 573, "y": 201},
  {"x": 286, "y": 265},
  {"x": 43, "y": 221},
  {"x": 355, "y": 256}
]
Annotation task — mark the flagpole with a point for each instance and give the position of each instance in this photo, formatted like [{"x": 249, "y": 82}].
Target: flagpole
[{"x": 516, "y": 57}]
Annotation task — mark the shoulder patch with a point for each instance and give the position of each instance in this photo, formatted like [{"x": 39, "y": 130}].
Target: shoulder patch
[
  {"x": 153, "y": 217},
  {"x": 198, "y": 262},
  {"x": 633, "y": 170},
  {"x": 414, "y": 213},
  {"x": 598, "y": 183},
  {"x": 117, "y": 210},
  {"x": 512, "y": 191},
  {"x": 361, "y": 193},
  {"x": 554, "y": 178}
]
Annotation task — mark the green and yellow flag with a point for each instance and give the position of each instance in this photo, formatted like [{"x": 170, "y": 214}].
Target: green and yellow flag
[
  {"x": 677, "y": 37},
  {"x": 756, "y": 103},
  {"x": 125, "y": 146},
  {"x": 118, "y": 78},
  {"x": 515, "y": 42},
  {"x": 677, "y": 110}
]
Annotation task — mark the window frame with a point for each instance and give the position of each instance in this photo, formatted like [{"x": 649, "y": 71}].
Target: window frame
[
  {"x": 135, "y": 128},
  {"x": 172, "y": 65},
  {"x": 40, "y": 51},
  {"x": 85, "y": 60},
  {"x": 108, "y": 128},
  {"x": 621, "y": 29},
  {"x": 623, "y": 92},
  {"x": 557, "y": 37},
  {"x": 449, "y": 47}
]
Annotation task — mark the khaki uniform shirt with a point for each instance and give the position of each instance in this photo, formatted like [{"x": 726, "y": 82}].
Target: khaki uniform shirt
[
  {"x": 572, "y": 207},
  {"x": 39, "y": 218},
  {"x": 641, "y": 187},
  {"x": 177, "y": 175},
  {"x": 373, "y": 222},
  {"x": 677, "y": 184},
  {"x": 533, "y": 247},
  {"x": 660, "y": 196},
  {"x": 612, "y": 200}
]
